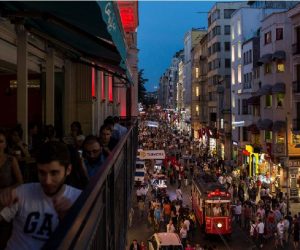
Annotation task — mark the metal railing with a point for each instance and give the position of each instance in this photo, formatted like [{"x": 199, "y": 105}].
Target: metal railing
[{"x": 98, "y": 219}]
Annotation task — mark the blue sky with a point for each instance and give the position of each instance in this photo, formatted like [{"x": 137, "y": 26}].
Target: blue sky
[{"x": 161, "y": 30}]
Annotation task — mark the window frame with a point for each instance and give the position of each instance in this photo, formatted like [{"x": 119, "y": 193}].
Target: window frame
[
  {"x": 268, "y": 37},
  {"x": 278, "y": 38}
]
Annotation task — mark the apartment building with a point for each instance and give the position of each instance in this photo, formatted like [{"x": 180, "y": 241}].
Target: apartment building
[
  {"x": 218, "y": 75},
  {"x": 197, "y": 87},
  {"x": 245, "y": 52},
  {"x": 191, "y": 39}
]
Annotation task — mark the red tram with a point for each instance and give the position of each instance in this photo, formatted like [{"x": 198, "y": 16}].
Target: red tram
[{"x": 211, "y": 204}]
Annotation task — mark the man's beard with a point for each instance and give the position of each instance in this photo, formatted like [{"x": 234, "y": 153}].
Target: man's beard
[{"x": 58, "y": 188}]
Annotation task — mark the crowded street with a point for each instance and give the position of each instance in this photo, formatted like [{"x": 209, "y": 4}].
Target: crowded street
[{"x": 153, "y": 207}]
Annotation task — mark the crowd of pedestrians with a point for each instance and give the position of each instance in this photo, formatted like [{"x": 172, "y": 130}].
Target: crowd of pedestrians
[
  {"x": 258, "y": 211},
  {"x": 41, "y": 180}
]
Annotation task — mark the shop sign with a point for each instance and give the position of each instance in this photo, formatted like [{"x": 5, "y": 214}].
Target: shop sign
[
  {"x": 152, "y": 124},
  {"x": 245, "y": 152},
  {"x": 152, "y": 154},
  {"x": 293, "y": 171},
  {"x": 294, "y": 163}
]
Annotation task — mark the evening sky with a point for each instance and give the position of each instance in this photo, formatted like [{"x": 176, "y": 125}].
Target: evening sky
[{"x": 161, "y": 30}]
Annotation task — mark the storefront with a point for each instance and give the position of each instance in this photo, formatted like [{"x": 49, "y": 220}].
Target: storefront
[
  {"x": 213, "y": 146},
  {"x": 294, "y": 174}
]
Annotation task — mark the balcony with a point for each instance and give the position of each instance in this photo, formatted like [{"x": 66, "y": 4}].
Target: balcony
[
  {"x": 296, "y": 48},
  {"x": 296, "y": 86},
  {"x": 99, "y": 218},
  {"x": 296, "y": 124}
]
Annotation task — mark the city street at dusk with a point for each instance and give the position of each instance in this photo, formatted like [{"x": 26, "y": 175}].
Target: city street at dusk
[{"x": 149, "y": 125}]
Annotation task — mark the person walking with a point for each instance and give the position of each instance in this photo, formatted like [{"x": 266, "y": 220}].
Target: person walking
[
  {"x": 183, "y": 234},
  {"x": 170, "y": 227},
  {"x": 261, "y": 230},
  {"x": 179, "y": 194},
  {"x": 296, "y": 232}
]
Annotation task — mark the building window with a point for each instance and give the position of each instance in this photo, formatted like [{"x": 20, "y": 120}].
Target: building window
[
  {"x": 228, "y": 13},
  {"x": 209, "y": 51},
  {"x": 216, "y": 31},
  {"x": 245, "y": 134},
  {"x": 232, "y": 76},
  {"x": 244, "y": 107},
  {"x": 268, "y": 37},
  {"x": 197, "y": 91},
  {"x": 216, "y": 47},
  {"x": 239, "y": 73},
  {"x": 227, "y": 30},
  {"x": 280, "y": 66},
  {"x": 239, "y": 30},
  {"x": 268, "y": 135},
  {"x": 279, "y": 33},
  {"x": 268, "y": 101},
  {"x": 279, "y": 100},
  {"x": 239, "y": 50},
  {"x": 197, "y": 72},
  {"x": 197, "y": 108},
  {"x": 227, "y": 63},
  {"x": 280, "y": 137},
  {"x": 227, "y": 46},
  {"x": 232, "y": 53},
  {"x": 268, "y": 68}
]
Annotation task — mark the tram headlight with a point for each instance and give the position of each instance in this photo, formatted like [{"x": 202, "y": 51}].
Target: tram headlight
[{"x": 219, "y": 225}]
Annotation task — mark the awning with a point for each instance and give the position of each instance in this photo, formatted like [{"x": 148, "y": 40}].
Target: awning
[
  {"x": 253, "y": 129},
  {"x": 265, "y": 124},
  {"x": 266, "y": 58},
  {"x": 266, "y": 89},
  {"x": 77, "y": 24},
  {"x": 254, "y": 100},
  {"x": 279, "y": 55},
  {"x": 278, "y": 88},
  {"x": 279, "y": 126}
]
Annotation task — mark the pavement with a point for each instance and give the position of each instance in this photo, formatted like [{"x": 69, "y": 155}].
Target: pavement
[{"x": 141, "y": 231}]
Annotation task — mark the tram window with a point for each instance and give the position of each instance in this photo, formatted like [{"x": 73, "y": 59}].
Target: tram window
[{"x": 208, "y": 211}]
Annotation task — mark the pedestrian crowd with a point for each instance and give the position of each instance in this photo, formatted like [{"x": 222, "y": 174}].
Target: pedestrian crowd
[
  {"x": 63, "y": 165},
  {"x": 257, "y": 208}
]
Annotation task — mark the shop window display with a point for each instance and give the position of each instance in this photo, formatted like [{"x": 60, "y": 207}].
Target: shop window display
[
  {"x": 268, "y": 136},
  {"x": 296, "y": 139},
  {"x": 279, "y": 99},
  {"x": 280, "y": 137}
]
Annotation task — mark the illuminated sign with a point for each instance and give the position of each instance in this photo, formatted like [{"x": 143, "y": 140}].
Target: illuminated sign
[{"x": 152, "y": 154}]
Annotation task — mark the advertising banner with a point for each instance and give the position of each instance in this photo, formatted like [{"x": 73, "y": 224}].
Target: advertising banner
[{"x": 152, "y": 154}]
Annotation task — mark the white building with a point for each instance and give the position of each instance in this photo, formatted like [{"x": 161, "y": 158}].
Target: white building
[
  {"x": 245, "y": 25},
  {"x": 219, "y": 73},
  {"x": 191, "y": 38}
]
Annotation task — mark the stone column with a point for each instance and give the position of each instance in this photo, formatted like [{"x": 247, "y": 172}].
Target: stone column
[
  {"x": 70, "y": 95},
  {"x": 22, "y": 79},
  {"x": 50, "y": 87}
]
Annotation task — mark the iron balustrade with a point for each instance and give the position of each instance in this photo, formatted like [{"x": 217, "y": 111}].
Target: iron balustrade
[{"x": 99, "y": 217}]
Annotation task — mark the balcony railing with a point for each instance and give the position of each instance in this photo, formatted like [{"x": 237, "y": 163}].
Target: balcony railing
[
  {"x": 296, "y": 48},
  {"x": 296, "y": 86},
  {"x": 98, "y": 219},
  {"x": 296, "y": 124}
]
